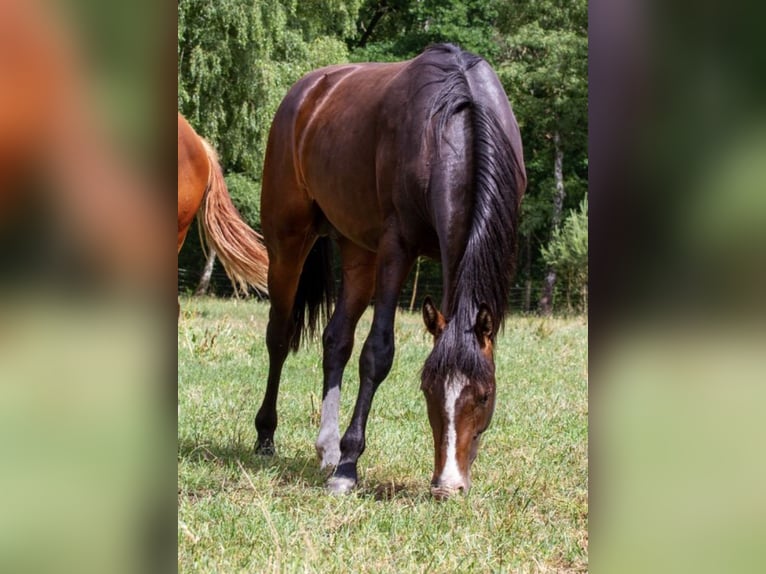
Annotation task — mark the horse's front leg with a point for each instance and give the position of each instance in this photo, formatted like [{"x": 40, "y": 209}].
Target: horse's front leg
[
  {"x": 355, "y": 294},
  {"x": 394, "y": 263}
]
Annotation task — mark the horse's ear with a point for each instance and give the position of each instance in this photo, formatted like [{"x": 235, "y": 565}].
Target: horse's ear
[
  {"x": 485, "y": 325},
  {"x": 433, "y": 319}
]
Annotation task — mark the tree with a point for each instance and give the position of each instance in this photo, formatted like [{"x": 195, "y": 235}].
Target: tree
[
  {"x": 543, "y": 66},
  {"x": 237, "y": 59},
  {"x": 207, "y": 273},
  {"x": 390, "y": 30},
  {"x": 567, "y": 254}
]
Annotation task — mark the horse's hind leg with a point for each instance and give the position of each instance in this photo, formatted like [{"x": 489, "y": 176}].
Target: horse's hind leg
[
  {"x": 357, "y": 288},
  {"x": 285, "y": 267}
]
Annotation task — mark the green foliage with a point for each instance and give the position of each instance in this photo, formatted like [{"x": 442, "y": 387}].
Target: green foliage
[
  {"x": 543, "y": 64},
  {"x": 330, "y": 18},
  {"x": 238, "y": 58},
  {"x": 246, "y": 196},
  {"x": 567, "y": 253},
  {"x": 406, "y": 27}
]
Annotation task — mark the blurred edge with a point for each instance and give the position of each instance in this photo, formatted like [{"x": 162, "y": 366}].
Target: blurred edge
[
  {"x": 87, "y": 350},
  {"x": 678, "y": 131},
  {"x": 678, "y": 278}
]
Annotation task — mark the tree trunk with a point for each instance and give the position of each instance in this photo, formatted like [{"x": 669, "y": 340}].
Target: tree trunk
[
  {"x": 380, "y": 11},
  {"x": 546, "y": 301},
  {"x": 527, "y": 302},
  {"x": 415, "y": 285},
  {"x": 207, "y": 273}
]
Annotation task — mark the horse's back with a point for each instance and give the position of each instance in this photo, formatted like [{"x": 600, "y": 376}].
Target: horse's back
[
  {"x": 335, "y": 110},
  {"x": 353, "y": 139}
]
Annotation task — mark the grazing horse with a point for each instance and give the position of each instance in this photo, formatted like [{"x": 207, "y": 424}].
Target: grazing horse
[
  {"x": 393, "y": 161},
  {"x": 201, "y": 188}
]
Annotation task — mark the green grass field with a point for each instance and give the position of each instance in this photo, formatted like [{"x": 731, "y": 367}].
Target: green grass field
[{"x": 237, "y": 512}]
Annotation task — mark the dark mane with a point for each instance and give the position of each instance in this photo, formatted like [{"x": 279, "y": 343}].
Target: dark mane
[
  {"x": 457, "y": 350},
  {"x": 486, "y": 268}
]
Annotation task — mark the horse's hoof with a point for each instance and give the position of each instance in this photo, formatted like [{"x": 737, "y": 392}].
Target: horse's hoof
[
  {"x": 265, "y": 448},
  {"x": 340, "y": 485}
]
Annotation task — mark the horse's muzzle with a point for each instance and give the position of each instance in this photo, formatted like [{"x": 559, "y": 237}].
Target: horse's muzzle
[{"x": 444, "y": 491}]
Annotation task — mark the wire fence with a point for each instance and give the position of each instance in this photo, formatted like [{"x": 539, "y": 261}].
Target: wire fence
[{"x": 523, "y": 297}]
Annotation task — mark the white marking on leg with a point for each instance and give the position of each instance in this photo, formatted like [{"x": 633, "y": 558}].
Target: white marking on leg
[
  {"x": 450, "y": 474},
  {"x": 328, "y": 442}
]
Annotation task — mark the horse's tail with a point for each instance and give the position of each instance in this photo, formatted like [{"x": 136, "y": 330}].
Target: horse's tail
[
  {"x": 498, "y": 182},
  {"x": 240, "y": 248},
  {"x": 316, "y": 293}
]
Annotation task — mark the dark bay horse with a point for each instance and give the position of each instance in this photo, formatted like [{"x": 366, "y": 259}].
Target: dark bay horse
[
  {"x": 201, "y": 188},
  {"x": 393, "y": 161}
]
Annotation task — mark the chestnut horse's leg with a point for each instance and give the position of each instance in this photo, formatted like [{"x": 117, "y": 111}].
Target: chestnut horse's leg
[
  {"x": 394, "y": 263},
  {"x": 284, "y": 273},
  {"x": 357, "y": 288}
]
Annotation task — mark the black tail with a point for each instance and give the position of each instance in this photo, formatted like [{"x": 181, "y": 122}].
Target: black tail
[{"x": 316, "y": 293}]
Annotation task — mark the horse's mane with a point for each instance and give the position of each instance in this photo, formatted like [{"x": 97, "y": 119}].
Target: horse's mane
[{"x": 486, "y": 268}]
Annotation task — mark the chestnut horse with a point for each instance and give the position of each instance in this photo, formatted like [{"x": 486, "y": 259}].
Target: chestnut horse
[
  {"x": 202, "y": 189},
  {"x": 393, "y": 161}
]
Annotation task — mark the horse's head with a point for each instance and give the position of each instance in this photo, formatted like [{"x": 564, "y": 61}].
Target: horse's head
[{"x": 458, "y": 381}]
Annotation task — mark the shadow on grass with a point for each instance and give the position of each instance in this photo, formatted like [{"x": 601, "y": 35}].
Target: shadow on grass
[
  {"x": 392, "y": 491},
  {"x": 298, "y": 471},
  {"x": 295, "y": 470}
]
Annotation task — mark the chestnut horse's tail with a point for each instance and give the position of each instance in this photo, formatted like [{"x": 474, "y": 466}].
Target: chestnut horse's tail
[
  {"x": 240, "y": 248},
  {"x": 316, "y": 293}
]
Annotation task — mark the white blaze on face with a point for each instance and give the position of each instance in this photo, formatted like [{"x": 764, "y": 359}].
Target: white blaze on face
[{"x": 453, "y": 387}]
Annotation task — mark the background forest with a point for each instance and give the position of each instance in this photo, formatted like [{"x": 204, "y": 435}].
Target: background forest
[{"x": 238, "y": 58}]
